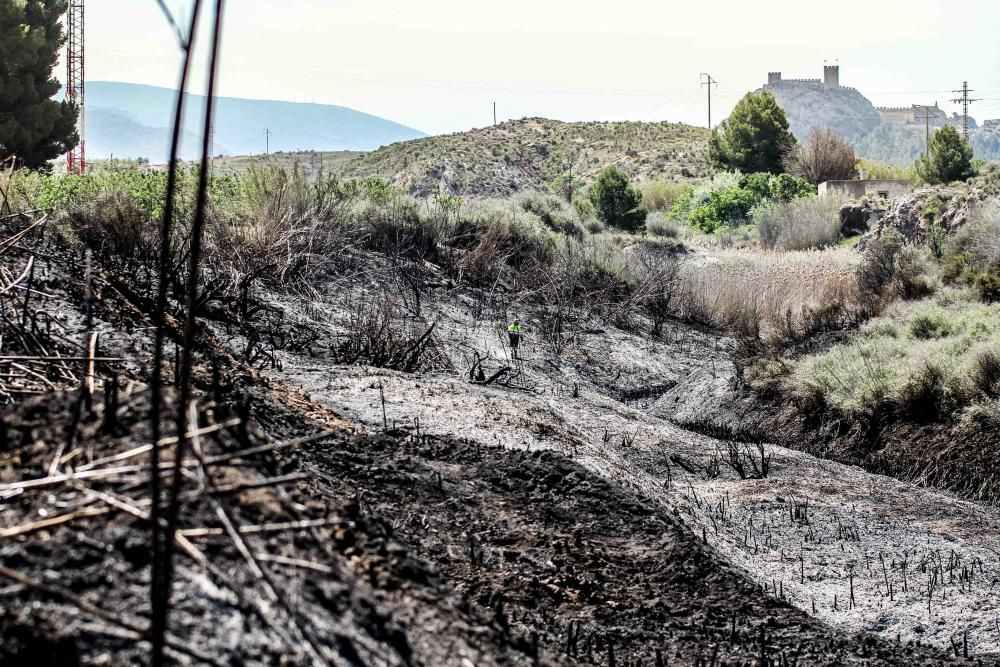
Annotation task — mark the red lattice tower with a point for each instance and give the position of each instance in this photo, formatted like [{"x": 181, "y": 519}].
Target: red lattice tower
[{"x": 76, "y": 159}]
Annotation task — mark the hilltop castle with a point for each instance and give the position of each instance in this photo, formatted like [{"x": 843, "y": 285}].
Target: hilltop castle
[
  {"x": 915, "y": 114},
  {"x": 831, "y": 77},
  {"x": 912, "y": 115}
]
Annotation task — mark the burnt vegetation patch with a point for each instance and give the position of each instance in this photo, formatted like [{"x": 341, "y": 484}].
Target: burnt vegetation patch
[{"x": 570, "y": 565}]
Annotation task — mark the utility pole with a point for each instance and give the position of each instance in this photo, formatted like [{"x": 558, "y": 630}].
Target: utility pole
[
  {"x": 709, "y": 82},
  {"x": 494, "y": 113},
  {"x": 570, "y": 198},
  {"x": 211, "y": 143},
  {"x": 267, "y": 142},
  {"x": 927, "y": 131},
  {"x": 965, "y": 101}
]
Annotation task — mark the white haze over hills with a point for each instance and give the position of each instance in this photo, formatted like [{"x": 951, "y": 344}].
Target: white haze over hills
[
  {"x": 131, "y": 121},
  {"x": 439, "y": 65}
]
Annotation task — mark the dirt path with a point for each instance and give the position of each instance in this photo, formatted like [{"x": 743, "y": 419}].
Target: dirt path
[{"x": 811, "y": 532}]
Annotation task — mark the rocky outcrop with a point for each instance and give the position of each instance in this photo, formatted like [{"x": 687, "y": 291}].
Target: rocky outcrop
[
  {"x": 947, "y": 206},
  {"x": 855, "y": 218}
]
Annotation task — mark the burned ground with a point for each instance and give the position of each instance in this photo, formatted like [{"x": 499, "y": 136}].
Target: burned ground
[
  {"x": 425, "y": 551},
  {"x": 363, "y": 545}
]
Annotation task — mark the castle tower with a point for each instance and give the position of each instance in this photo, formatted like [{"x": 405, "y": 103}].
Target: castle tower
[
  {"x": 773, "y": 77},
  {"x": 831, "y": 76}
]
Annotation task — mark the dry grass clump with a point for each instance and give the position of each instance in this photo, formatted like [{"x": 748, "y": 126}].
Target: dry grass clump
[
  {"x": 660, "y": 195},
  {"x": 801, "y": 224},
  {"x": 974, "y": 254},
  {"x": 768, "y": 294},
  {"x": 925, "y": 359},
  {"x": 660, "y": 226}
]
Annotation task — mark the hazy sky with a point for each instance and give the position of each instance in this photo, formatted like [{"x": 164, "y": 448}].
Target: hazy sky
[{"x": 438, "y": 65}]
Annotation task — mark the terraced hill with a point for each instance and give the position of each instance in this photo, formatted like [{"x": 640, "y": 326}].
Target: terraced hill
[{"x": 532, "y": 154}]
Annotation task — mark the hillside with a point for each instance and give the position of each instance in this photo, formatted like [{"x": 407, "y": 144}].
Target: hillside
[
  {"x": 112, "y": 133},
  {"x": 130, "y": 120},
  {"x": 530, "y": 154},
  {"x": 811, "y": 104}
]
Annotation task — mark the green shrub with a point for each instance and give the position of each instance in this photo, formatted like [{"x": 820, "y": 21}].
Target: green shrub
[
  {"x": 785, "y": 188},
  {"x": 926, "y": 360},
  {"x": 988, "y": 284},
  {"x": 974, "y": 254},
  {"x": 729, "y": 198},
  {"x": 924, "y": 394},
  {"x": 758, "y": 184},
  {"x": 683, "y": 205},
  {"x": 616, "y": 200},
  {"x": 732, "y": 206},
  {"x": 913, "y": 273},
  {"x": 584, "y": 208},
  {"x": 929, "y": 324},
  {"x": 986, "y": 371},
  {"x": 554, "y": 213},
  {"x": 937, "y": 240},
  {"x": 877, "y": 271},
  {"x": 704, "y": 219}
]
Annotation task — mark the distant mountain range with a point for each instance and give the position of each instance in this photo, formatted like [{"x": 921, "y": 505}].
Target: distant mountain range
[{"x": 128, "y": 120}]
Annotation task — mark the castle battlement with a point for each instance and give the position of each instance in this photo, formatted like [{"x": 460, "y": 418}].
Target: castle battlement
[
  {"x": 831, "y": 77},
  {"x": 912, "y": 107}
]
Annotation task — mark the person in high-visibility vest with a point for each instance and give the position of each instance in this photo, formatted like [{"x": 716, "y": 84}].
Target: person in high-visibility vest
[{"x": 514, "y": 333}]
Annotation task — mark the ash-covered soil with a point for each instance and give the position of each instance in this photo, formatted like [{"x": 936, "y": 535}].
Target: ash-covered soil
[
  {"x": 438, "y": 541},
  {"x": 862, "y": 552}
]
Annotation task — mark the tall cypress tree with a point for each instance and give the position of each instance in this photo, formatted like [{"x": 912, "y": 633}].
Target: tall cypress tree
[{"x": 33, "y": 127}]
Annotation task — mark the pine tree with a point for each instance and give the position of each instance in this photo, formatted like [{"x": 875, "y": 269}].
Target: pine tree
[
  {"x": 617, "y": 202},
  {"x": 755, "y": 137},
  {"x": 949, "y": 159},
  {"x": 33, "y": 127}
]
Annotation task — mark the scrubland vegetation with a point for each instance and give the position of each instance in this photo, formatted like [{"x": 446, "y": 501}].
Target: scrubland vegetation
[
  {"x": 926, "y": 360},
  {"x": 928, "y": 347},
  {"x": 279, "y": 227},
  {"x": 534, "y": 154}
]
